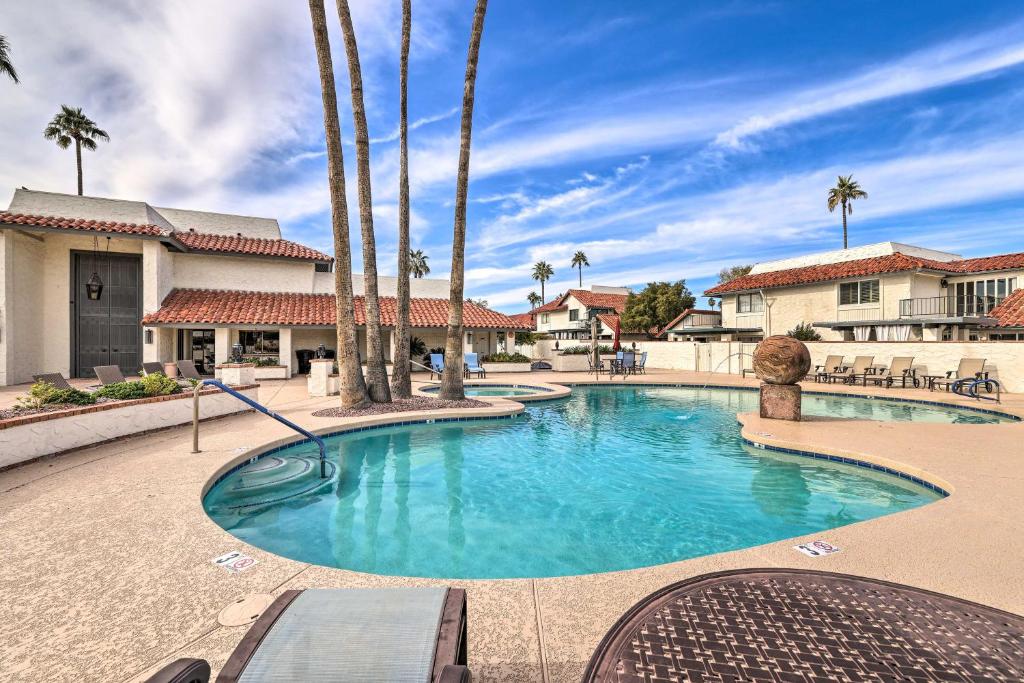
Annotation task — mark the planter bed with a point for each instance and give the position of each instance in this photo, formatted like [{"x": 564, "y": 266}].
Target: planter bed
[{"x": 39, "y": 434}]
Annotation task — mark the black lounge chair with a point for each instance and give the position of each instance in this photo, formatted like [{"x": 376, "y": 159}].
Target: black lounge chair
[
  {"x": 109, "y": 374},
  {"x": 792, "y": 624},
  {"x": 54, "y": 378},
  {"x": 968, "y": 369},
  {"x": 153, "y": 368},
  {"x": 371, "y": 634},
  {"x": 187, "y": 369}
]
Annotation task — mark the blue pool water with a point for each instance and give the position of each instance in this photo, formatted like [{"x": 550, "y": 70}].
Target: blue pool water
[{"x": 609, "y": 478}]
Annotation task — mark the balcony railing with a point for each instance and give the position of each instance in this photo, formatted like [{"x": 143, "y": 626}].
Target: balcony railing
[{"x": 948, "y": 306}]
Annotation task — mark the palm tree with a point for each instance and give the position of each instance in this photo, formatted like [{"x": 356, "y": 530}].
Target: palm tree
[
  {"x": 451, "y": 380},
  {"x": 71, "y": 125},
  {"x": 5, "y": 60},
  {"x": 376, "y": 369},
  {"x": 401, "y": 383},
  {"x": 353, "y": 387},
  {"x": 543, "y": 272},
  {"x": 535, "y": 300},
  {"x": 846, "y": 190},
  {"x": 579, "y": 260},
  {"x": 418, "y": 263}
]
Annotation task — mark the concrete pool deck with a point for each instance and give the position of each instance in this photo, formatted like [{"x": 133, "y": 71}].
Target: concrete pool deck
[{"x": 106, "y": 551}]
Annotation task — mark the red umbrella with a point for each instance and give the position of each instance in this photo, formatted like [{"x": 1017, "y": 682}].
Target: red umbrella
[{"x": 616, "y": 346}]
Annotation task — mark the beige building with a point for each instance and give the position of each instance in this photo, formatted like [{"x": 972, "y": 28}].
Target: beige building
[
  {"x": 695, "y": 325},
  {"x": 87, "y": 281},
  {"x": 879, "y": 292},
  {"x": 569, "y": 315}
]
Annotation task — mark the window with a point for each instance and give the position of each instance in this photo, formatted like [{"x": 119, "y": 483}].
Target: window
[
  {"x": 259, "y": 342},
  {"x": 978, "y": 297},
  {"x": 749, "y": 303},
  {"x": 574, "y": 315},
  {"x": 545, "y": 317},
  {"x": 862, "y": 292},
  {"x": 322, "y": 267}
]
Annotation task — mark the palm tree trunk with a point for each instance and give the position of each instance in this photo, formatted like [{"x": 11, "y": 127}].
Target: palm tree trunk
[
  {"x": 401, "y": 383},
  {"x": 581, "y": 275},
  {"x": 844, "y": 225},
  {"x": 353, "y": 387},
  {"x": 543, "y": 298},
  {"x": 451, "y": 382},
  {"x": 78, "y": 159},
  {"x": 376, "y": 369}
]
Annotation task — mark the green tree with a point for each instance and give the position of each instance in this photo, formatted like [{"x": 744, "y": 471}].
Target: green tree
[
  {"x": 418, "y": 263},
  {"x": 658, "y": 304},
  {"x": 579, "y": 259},
  {"x": 482, "y": 303},
  {"x": 401, "y": 382},
  {"x": 846, "y": 190},
  {"x": 71, "y": 125},
  {"x": 732, "y": 272},
  {"x": 804, "y": 332},
  {"x": 353, "y": 386},
  {"x": 535, "y": 300},
  {"x": 542, "y": 272},
  {"x": 6, "y": 67},
  {"x": 451, "y": 380}
]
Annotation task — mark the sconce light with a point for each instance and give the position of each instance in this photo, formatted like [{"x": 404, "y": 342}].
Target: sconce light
[
  {"x": 944, "y": 283},
  {"x": 149, "y": 336}
]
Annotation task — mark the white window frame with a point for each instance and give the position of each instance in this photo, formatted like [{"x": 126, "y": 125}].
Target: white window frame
[
  {"x": 756, "y": 303},
  {"x": 860, "y": 291}
]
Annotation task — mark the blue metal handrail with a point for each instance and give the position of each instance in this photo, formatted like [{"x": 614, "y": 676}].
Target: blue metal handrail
[
  {"x": 969, "y": 388},
  {"x": 258, "y": 406}
]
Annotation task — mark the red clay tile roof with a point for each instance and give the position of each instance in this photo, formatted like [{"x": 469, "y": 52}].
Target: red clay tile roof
[
  {"x": 682, "y": 315},
  {"x": 529, "y": 319},
  {"x": 252, "y": 246},
  {"x": 597, "y": 299},
  {"x": 1010, "y": 313},
  {"x": 986, "y": 263},
  {"x": 550, "y": 306},
  {"x": 7, "y": 218},
  {"x": 219, "y": 307},
  {"x": 609, "y": 320}
]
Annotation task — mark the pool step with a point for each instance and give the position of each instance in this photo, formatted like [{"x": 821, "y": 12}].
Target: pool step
[{"x": 273, "y": 479}]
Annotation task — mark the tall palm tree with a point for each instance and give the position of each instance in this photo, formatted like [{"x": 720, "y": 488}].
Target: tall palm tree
[
  {"x": 376, "y": 369},
  {"x": 401, "y": 382},
  {"x": 543, "y": 272},
  {"x": 418, "y": 263},
  {"x": 451, "y": 380},
  {"x": 71, "y": 125},
  {"x": 535, "y": 300},
  {"x": 353, "y": 387},
  {"x": 579, "y": 259},
  {"x": 846, "y": 190},
  {"x": 5, "y": 60}
]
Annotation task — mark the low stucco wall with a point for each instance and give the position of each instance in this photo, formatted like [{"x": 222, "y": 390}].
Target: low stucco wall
[
  {"x": 24, "y": 439},
  {"x": 506, "y": 367}
]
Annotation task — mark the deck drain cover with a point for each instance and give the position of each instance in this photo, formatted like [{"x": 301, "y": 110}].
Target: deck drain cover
[{"x": 245, "y": 610}]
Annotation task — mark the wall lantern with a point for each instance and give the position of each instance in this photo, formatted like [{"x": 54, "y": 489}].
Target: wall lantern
[
  {"x": 944, "y": 283},
  {"x": 94, "y": 286}
]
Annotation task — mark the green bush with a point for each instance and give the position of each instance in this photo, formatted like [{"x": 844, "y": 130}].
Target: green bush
[
  {"x": 158, "y": 384},
  {"x": 264, "y": 361},
  {"x": 502, "y": 357},
  {"x": 44, "y": 393},
  {"x": 804, "y": 332},
  {"x": 122, "y": 391},
  {"x": 417, "y": 347},
  {"x": 603, "y": 349}
]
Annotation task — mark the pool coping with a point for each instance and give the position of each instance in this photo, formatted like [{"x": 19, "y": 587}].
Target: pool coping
[{"x": 546, "y": 391}]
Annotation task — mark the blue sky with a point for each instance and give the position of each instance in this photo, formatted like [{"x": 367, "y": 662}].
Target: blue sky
[{"x": 666, "y": 140}]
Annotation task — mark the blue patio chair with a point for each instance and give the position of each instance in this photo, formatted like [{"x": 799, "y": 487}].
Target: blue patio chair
[
  {"x": 436, "y": 365},
  {"x": 628, "y": 363},
  {"x": 472, "y": 364},
  {"x": 640, "y": 367}
]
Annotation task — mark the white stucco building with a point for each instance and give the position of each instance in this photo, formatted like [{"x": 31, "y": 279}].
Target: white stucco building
[{"x": 178, "y": 284}]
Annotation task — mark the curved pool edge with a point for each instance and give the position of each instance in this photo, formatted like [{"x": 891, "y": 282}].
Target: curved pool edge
[{"x": 545, "y": 391}]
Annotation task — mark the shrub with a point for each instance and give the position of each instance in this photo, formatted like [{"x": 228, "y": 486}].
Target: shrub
[
  {"x": 526, "y": 338},
  {"x": 503, "y": 357},
  {"x": 804, "y": 332},
  {"x": 264, "y": 361},
  {"x": 603, "y": 349},
  {"x": 122, "y": 391},
  {"x": 158, "y": 384},
  {"x": 44, "y": 393},
  {"x": 417, "y": 347}
]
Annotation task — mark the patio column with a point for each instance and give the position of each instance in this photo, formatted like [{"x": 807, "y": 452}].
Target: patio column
[
  {"x": 221, "y": 345},
  {"x": 391, "y": 345},
  {"x": 285, "y": 351}
]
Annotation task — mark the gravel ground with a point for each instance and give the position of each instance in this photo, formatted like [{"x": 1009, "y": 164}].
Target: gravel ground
[{"x": 401, "y": 405}]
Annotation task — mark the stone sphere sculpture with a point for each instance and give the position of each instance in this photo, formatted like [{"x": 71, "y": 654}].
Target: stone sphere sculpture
[{"x": 781, "y": 360}]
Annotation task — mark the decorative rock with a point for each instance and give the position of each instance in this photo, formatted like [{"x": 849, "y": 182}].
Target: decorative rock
[
  {"x": 781, "y": 402},
  {"x": 781, "y": 360}
]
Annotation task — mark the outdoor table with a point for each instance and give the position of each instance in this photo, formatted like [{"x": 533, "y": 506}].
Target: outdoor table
[{"x": 929, "y": 381}]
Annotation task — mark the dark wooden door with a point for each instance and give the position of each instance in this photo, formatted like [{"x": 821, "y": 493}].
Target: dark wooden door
[{"x": 107, "y": 331}]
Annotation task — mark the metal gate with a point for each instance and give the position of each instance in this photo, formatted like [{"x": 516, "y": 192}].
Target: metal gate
[{"x": 107, "y": 331}]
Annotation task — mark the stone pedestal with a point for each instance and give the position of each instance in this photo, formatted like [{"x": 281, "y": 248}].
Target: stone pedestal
[
  {"x": 318, "y": 382},
  {"x": 780, "y": 401},
  {"x": 238, "y": 374}
]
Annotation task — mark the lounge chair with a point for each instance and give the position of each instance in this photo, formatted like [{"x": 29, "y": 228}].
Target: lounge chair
[
  {"x": 472, "y": 363},
  {"x": 109, "y": 374},
  {"x": 969, "y": 368},
  {"x": 831, "y": 364},
  {"x": 152, "y": 368},
  {"x": 901, "y": 370},
  {"x": 54, "y": 378},
  {"x": 849, "y": 374},
  {"x": 436, "y": 365},
  {"x": 187, "y": 369},
  {"x": 361, "y": 634}
]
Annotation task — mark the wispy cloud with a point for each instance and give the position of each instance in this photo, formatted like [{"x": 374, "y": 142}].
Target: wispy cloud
[{"x": 418, "y": 123}]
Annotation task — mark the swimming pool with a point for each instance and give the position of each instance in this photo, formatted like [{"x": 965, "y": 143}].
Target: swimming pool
[
  {"x": 609, "y": 478},
  {"x": 497, "y": 390}
]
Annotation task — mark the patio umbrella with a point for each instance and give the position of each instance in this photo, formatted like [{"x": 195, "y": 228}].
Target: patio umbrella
[{"x": 616, "y": 346}]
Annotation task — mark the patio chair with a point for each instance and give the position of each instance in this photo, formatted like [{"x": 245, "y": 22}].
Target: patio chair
[
  {"x": 969, "y": 368},
  {"x": 187, "y": 369},
  {"x": 472, "y": 363},
  {"x": 436, "y": 365},
  {"x": 831, "y": 364},
  {"x": 152, "y": 368},
  {"x": 901, "y": 370},
  {"x": 596, "y": 369},
  {"x": 626, "y": 365},
  {"x": 849, "y": 374},
  {"x": 54, "y": 378},
  {"x": 360, "y": 634},
  {"x": 641, "y": 365},
  {"x": 109, "y": 374}
]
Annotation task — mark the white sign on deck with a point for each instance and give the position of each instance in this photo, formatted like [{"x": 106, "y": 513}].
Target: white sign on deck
[
  {"x": 234, "y": 562},
  {"x": 817, "y": 548}
]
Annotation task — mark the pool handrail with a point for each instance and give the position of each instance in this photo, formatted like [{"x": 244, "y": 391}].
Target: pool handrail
[
  {"x": 261, "y": 408},
  {"x": 969, "y": 387}
]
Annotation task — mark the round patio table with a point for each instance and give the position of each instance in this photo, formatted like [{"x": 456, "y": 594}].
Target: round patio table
[{"x": 795, "y": 625}]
